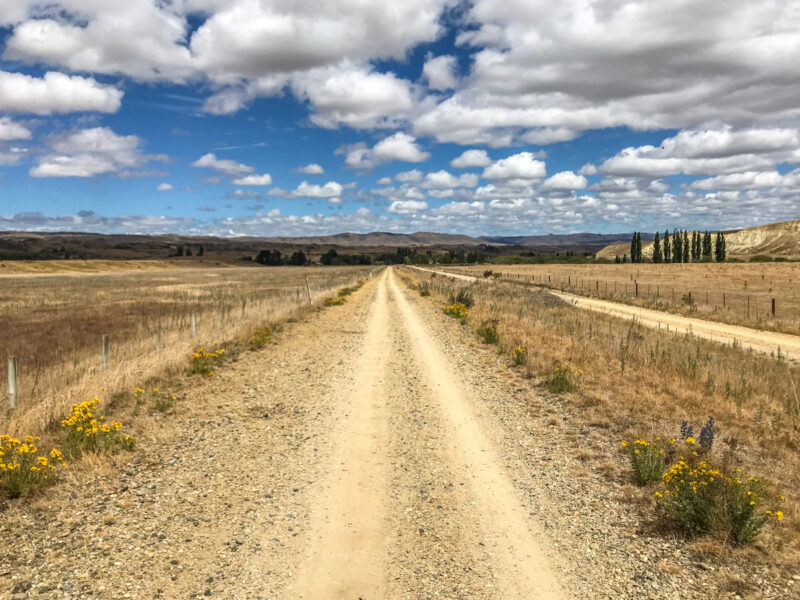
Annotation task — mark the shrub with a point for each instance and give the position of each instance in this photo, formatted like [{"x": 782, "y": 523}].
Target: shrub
[
  {"x": 462, "y": 296},
  {"x": 162, "y": 401},
  {"x": 519, "y": 354},
  {"x": 334, "y": 301},
  {"x": 488, "y": 333},
  {"x": 204, "y": 363},
  {"x": 425, "y": 293},
  {"x": 87, "y": 433},
  {"x": 565, "y": 379},
  {"x": 488, "y": 273},
  {"x": 648, "y": 460},
  {"x": 260, "y": 338},
  {"x": 23, "y": 471},
  {"x": 702, "y": 499},
  {"x": 457, "y": 311}
]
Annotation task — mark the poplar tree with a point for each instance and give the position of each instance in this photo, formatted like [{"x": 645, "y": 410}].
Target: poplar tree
[
  {"x": 720, "y": 250},
  {"x": 667, "y": 247},
  {"x": 657, "y": 249},
  {"x": 706, "y": 246},
  {"x": 686, "y": 248},
  {"x": 633, "y": 248},
  {"x": 639, "y": 247},
  {"x": 677, "y": 246}
]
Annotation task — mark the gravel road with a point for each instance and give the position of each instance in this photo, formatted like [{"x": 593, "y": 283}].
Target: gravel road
[{"x": 375, "y": 450}]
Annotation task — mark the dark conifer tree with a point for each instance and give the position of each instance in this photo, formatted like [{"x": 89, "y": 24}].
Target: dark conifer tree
[
  {"x": 686, "y": 248},
  {"x": 656, "y": 249},
  {"x": 667, "y": 247},
  {"x": 720, "y": 250}
]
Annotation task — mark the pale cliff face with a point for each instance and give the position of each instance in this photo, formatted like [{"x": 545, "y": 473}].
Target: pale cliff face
[{"x": 777, "y": 239}]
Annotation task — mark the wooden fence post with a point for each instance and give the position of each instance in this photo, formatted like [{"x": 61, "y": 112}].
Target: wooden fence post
[
  {"x": 222, "y": 316},
  {"x": 194, "y": 325},
  {"x": 244, "y": 304},
  {"x": 773, "y": 308},
  {"x": 12, "y": 382},
  {"x": 637, "y": 289},
  {"x": 105, "y": 352},
  {"x": 159, "y": 341},
  {"x": 308, "y": 289}
]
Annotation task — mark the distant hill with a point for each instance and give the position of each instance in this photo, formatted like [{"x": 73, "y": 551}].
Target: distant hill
[
  {"x": 777, "y": 239},
  {"x": 382, "y": 239},
  {"x": 577, "y": 242}
]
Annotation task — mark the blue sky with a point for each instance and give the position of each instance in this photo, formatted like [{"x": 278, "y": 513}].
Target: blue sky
[{"x": 260, "y": 117}]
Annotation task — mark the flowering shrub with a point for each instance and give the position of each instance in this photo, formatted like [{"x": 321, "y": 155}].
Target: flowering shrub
[
  {"x": 204, "y": 363},
  {"x": 707, "y": 434},
  {"x": 565, "y": 379},
  {"x": 457, "y": 311},
  {"x": 23, "y": 470},
  {"x": 88, "y": 433},
  {"x": 334, "y": 301},
  {"x": 703, "y": 499},
  {"x": 519, "y": 354},
  {"x": 648, "y": 460},
  {"x": 260, "y": 338}
]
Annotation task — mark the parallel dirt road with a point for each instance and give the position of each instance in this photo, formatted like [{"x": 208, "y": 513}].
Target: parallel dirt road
[{"x": 767, "y": 342}]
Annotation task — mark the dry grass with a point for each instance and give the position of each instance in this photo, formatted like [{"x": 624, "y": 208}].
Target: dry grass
[
  {"x": 667, "y": 378},
  {"x": 718, "y": 291},
  {"x": 54, "y": 325}
]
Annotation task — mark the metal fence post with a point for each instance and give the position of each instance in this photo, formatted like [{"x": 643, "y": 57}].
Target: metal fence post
[{"x": 105, "y": 352}]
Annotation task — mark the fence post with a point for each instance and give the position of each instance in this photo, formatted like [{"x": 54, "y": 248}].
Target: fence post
[
  {"x": 723, "y": 299},
  {"x": 222, "y": 316},
  {"x": 308, "y": 289},
  {"x": 12, "y": 382},
  {"x": 637, "y": 289},
  {"x": 159, "y": 341},
  {"x": 773, "y": 308},
  {"x": 748, "y": 307},
  {"x": 194, "y": 325},
  {"x": 244, "y": 304},
  {"x": 105, "y": 352}
]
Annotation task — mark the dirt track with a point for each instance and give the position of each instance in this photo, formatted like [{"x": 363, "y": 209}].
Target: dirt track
[{"x": 760, "y": 341}]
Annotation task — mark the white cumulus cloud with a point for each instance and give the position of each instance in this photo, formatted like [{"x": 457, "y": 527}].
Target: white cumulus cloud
[
  {"x": 254, "y": 180},
  {"x": 227, "y": 166},
  {"x": 565, "y": 180},
  {"x": 440, "y": 72},
  {"x": 56, "y": 93},
  {"x": 521, "y": 166},
  {"x": 164, "y": 187},
  {"x": 471, "y": 158},
  {"x": 90, "y": 152}
]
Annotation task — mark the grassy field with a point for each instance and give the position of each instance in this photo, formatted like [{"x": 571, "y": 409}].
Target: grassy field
[
  {"x": 737, "y": 293},
  {"x": 632, "y": 382},
  {"x": 54, "y": 323}
]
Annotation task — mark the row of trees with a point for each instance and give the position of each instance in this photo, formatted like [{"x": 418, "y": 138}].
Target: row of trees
[{"x": 680, "y": 248}]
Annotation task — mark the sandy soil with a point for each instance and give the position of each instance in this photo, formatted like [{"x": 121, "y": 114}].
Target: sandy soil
[{"x": 759, "y": 341}]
